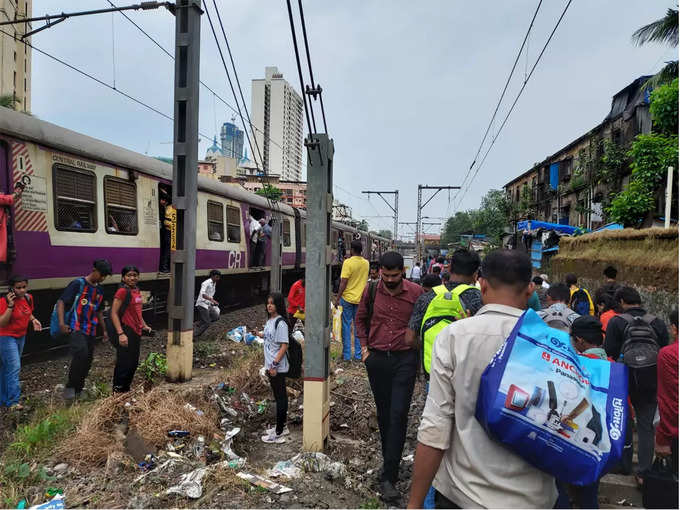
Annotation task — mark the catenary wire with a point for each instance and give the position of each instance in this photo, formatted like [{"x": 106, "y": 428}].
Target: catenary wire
[
  {"x": 512, "y": 107},
  {"x": 101, "y": 82},
  {"x": 309, "y": 63},
  {"x": 299, "y": 67}
]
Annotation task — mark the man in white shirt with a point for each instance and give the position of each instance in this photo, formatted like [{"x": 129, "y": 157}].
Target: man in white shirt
[
  {"x": 416, "y": 273},
  {"x": 208, "y": 309},
  {"x": 254, "y": 233},
  {"x": 472, "y": 470}
]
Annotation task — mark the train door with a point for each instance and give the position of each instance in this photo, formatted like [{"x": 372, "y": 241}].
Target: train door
[
  {"x": 298, "y": 238},
  {"x": 7, "y": 247},
  {"x": 166, "y": 218},
  {"x": 257, "y": 242}
]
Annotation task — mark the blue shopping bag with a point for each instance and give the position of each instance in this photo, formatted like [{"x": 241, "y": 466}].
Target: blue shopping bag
[{"x": 563, "y": 413}]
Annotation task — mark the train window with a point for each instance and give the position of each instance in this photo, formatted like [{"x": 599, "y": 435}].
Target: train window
[
  {"x": 233, "y": 225},
  {"x": 215, "y": 221},
  {"x": 286, "y": 232},
  {"x": 334, "y": 239},
  {"x": 75, "y": 203},
  {"x": 120, "y": 203}
]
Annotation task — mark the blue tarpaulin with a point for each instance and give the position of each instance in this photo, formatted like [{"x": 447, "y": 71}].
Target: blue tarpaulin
[
  {"x": 535, "y": 224},
  {"x": 554, "y": 175}
]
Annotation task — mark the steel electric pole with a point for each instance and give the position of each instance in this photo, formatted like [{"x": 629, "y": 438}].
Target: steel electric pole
[
  {"x": 395, "y": 209},
  {"x": 421, "y": 206}
]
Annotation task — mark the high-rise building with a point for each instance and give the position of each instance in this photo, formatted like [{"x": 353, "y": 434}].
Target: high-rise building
[
  {"x": 232, "y": 140},
  {"x": 15, "y": 54},
  {"x": 277, "y": 116}
]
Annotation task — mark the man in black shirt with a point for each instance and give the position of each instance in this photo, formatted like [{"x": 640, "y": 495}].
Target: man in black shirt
[
  {"x": 610, "y": 286},
  {"x": 642, "y": 381}
]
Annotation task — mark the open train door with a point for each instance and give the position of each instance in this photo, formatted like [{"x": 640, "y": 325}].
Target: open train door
[{"x": 7, "y": 246}]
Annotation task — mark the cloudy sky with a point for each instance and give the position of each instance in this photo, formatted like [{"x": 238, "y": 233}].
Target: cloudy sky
[{"x": 409, "y": 87}]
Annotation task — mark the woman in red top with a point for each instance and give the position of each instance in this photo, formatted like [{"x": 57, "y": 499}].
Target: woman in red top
[
  {"x": 296, "y": 298},
  {"x": 607, "y": 309},
  {"x": 16, "y": 311},
  {"x": 126, "y": 316}
]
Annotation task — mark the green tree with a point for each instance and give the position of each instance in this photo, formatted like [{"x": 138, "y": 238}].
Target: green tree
[
  {"x": 385, "y": 233},
  {"x": 492, "y": 217},
  {"x": 663, "y": 31},
  {"x": 9, "y": 101},
  {"x": 455, "y": 226},
  {"x": 270, "y": 192},
  {"x": 664, "y": 108}
]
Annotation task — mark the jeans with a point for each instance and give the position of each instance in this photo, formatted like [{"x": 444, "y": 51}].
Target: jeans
[
  {"x": 586, "y": 495},
  {"x": 206, "y": 316},
  {"x": 127, "y": 359},
  {"x": 82, "y": 350},
  {"x": 349, "y": 312},
  {"x": 278, "y": 384},
  {"x": 430, "y": 500},
  {"x": 10, "y": 366},
  {"x": 645, "y": 407},
  {"x": 392, "y": 376}
]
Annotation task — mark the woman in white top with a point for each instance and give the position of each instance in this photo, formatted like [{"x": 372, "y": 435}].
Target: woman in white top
[{"x": 275, "y": 336}]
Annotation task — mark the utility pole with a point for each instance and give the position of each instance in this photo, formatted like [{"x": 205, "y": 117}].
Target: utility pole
[
  {"x": 184, "y": 190},
  {"x": 316, "y": 412},
  {"x": 421, "y": 206},
  {"x": 669, "y": 198},
  {"x": 395, "y": 209}
]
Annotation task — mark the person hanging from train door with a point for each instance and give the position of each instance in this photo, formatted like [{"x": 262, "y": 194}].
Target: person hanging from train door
[
  {"x": 254, "y": 232},
  {"x": 79, "y": 311},
  {"x": 165, "y": 225},
  {"x": 262, "y": 241},
  {"x": 128, "y": 324}
]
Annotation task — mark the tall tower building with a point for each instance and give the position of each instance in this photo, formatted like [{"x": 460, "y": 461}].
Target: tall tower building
[
  {"x": 277, "y": 116},
  {"x": 15, "y": 55},
  {"x": 232, "y": 140}
]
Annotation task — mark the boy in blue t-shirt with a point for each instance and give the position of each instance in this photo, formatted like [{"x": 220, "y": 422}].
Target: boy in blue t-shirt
[{"x": 79, "y": 310}]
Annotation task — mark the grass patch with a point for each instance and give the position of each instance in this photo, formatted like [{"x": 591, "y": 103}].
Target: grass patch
[
  {"x": 205, "y": 349},
  {"x": 371, "y": 503}
]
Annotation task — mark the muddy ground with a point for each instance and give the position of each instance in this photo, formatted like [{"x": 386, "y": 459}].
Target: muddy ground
[{"x": 108, "y": 481}]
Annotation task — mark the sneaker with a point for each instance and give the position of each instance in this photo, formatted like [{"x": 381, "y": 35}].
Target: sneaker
[
  {"x": 273, "y": 438},
  {"x": 272, "y": 430},
  {"x": 388, "y": 491},
  {"x": 69, "y": 393}
]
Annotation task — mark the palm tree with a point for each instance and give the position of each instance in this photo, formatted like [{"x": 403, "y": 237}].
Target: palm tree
[{"x": 665, "y": 31}]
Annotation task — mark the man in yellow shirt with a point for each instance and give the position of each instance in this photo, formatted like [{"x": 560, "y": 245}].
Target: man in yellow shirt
[
  {"x": 579, "y": 300},
  {"x": 353, "y": 279}
]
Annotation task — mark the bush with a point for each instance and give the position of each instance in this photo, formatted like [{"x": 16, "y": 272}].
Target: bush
[
  {"x": 155, "y": 365},
  {"x": 664, "y": 108}
]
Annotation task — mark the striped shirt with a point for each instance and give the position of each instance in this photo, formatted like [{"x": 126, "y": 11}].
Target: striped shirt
[{"x": 87, "y": 304}]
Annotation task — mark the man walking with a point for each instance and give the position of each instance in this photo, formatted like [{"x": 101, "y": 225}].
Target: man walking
[
  {"x": 391, "y": 364},
  {"x": 208, "y": 309},
  {"x": 610, "y": 285},
  {"x": 416, "y": 273},
  {"x": 579, "y": 298},
  {"x": 558, "y": 315},
  {"x": 472, "y": 470},
  {"x": 79, "y": 312},
  {"x": 353, "y": 279},
  {"x": 636, "y": 331}
]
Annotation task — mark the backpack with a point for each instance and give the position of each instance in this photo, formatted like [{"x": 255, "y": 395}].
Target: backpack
[
  {"x": 444, "y": 308},
  {"x": 640, "y": 345},
  {"x": 108, "y": 323},
  {"x": 580, "y": 302},
  {"x": 293, "y": 353},
  {"x": 557, "y": 318},
  {"x": 55, "y": 332}
]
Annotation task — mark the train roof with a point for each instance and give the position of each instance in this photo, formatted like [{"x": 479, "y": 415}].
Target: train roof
[{"x": 27, "y": 127}]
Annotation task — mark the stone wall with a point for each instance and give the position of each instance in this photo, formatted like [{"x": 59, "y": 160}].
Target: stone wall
[{"x": 646, "y": 259}]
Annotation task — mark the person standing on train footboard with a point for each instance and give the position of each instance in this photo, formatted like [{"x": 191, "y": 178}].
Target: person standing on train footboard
[{"x": 79, "y": 310}]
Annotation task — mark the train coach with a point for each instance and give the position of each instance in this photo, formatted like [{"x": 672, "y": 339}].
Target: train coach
[{"x": 76, "y": 199}]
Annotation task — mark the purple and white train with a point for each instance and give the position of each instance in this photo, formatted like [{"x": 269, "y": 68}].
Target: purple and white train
[{"x": 77, "y": 199}]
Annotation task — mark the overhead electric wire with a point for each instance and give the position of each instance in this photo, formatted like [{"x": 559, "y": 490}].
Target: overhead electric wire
[
  {"x": 164, "y": 50},
  {"x": 512, "y": 107},
  {"x": 309, "y": 63},
  {"x": 299, "y": 67},
  {"x": 101, "y": 82},
  {"x": 505, "y": 88}
]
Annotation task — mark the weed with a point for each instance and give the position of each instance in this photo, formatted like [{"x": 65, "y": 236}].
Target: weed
[
  {"x": 371, "y": 503},
  {"x": 32, "y": 436},
  {"x": 100, "y": 389},
  {"x": 205, "y": 349},
  {"x": 155, "y": 365}
]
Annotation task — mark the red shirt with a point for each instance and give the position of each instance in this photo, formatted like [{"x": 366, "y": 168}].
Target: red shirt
[
  {"x": 605, "y": 317},
  {"x": 133, "y": 313},
  {"x": 21, "y": 316},
  {"x": 390, "y": 317},
  {"x": 296, "y": 298},
  {"x": 667, "y": 394}
]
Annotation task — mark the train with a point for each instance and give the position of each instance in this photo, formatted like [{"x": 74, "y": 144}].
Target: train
[{"x": 75, "y": 199}]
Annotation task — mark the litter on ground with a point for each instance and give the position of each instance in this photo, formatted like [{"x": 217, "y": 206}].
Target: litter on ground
[{"x": 259, "y": 481}]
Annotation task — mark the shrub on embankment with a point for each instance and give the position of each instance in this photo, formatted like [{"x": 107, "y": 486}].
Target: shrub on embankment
[{"x": 646, "y": 259}]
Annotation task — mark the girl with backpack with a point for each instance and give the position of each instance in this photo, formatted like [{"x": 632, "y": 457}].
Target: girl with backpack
[
  {"x": 16, "y": 312},
  {"x": 127, "y": 324},
  {"x": 276, "y": 342}
]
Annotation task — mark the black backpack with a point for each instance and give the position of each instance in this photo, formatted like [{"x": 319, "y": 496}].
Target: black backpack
[
  {"x": 580, "y": 303},
  {"x": 640, "y": 342},
  {"x": 108, "y": 323},
  {"x": 294, "y": 353}
]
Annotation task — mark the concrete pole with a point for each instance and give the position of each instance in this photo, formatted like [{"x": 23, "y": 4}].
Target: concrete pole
[
  {"x": 316, "y": 414},
  {"x": 184, "y": 190},
  {"x": 669, "y": 197}
]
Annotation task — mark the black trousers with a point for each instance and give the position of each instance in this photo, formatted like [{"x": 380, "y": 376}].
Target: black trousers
[
  {"x": 206, "y": 316},
  {"x": 127, "y": 359},
  {"x": 82, "y": 350},
  {"x": 441, "y": 501},
  {"x": 392, "y": 376},
  {"x": 278, "y": 383},
  {"x": 164, "y": 263}
]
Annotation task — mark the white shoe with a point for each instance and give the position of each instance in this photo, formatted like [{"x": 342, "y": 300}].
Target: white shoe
[
  {"x": 273, "y": 438},
  {"x": 273, "y": 431}
]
